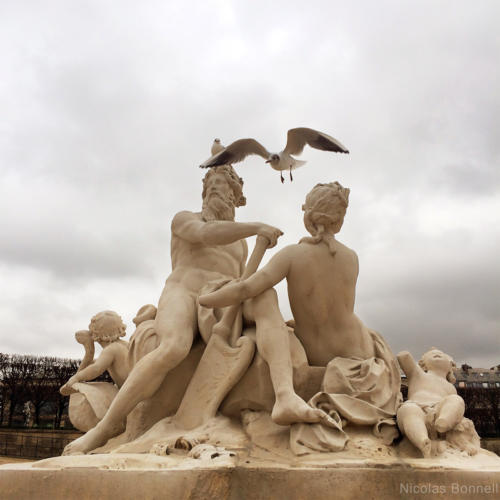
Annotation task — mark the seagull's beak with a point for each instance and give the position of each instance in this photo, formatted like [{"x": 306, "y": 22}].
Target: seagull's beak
[{"x": 268, "y": 161}]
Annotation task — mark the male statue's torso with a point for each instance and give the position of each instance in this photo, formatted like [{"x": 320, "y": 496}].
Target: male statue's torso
[{"x": 195, "y": 264}]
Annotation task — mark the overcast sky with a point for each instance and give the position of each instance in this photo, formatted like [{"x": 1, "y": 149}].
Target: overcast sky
[{"x": 107, "y": 108}]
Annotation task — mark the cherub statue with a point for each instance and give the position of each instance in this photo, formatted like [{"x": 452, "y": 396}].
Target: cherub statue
[
  {"x": 105, "y": 328},
  {"x": 89, "y": 401},
  {"x": 433, "y": 405}
]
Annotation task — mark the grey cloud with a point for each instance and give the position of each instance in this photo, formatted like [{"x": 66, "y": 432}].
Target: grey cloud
[
  {"x": 108, "y": 111},
  {"x": 468, "y": 179},
  {"x": 435, "y": 297}
]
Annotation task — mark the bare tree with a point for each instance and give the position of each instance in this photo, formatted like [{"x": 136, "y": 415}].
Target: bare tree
[
  {"x": 34, "y": 380},
  {"x": 62, "y": 370},
  {"x": 482, "y": 407},
  {"x": 4, "y": 389},
  {"x": 40, "y": 386},
  {"x": 16, "y": 375}
]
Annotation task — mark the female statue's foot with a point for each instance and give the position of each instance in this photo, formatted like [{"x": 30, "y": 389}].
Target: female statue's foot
[{"x": 292, "y": 409}]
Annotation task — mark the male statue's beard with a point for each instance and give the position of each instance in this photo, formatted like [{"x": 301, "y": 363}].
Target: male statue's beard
[{"x": 216, "y": 208}]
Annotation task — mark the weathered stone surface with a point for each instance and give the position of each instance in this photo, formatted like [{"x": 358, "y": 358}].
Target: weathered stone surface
[
  {"x": 129, "y": 478},
  {"x": 224, "y": 399}
]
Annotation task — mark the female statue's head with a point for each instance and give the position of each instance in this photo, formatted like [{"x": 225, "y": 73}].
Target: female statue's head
[{"x": 324, "y": 212}]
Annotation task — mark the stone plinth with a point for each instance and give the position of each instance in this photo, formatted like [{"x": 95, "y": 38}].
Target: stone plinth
[{"x": 174, "y": 477}]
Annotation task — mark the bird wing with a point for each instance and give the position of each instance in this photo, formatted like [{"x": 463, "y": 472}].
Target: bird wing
[
  {"x": 235, "y": 152},
  {"x": 298, "y": 137}
]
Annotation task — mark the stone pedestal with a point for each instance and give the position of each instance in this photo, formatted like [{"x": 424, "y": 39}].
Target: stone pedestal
[{"x": 152, "y": 477}]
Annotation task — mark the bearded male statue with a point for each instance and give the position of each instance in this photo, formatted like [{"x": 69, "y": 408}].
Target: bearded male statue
[{"x": 205, "y": 246}]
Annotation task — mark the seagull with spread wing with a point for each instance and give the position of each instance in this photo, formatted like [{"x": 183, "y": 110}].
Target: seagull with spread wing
[{"x": 297, "y": 139}]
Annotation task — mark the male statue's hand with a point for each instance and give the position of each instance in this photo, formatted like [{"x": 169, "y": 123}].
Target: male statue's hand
[{"x": 271, "y": 233}]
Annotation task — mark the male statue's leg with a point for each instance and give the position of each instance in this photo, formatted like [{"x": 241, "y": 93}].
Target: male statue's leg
[
  {"x": 274, "y": 346},
  {"x": 175, "y": 324}
]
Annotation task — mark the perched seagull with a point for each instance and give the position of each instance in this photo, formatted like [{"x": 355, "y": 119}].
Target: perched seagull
[
  {"x": 297, "y": 138},
  {"x": 217, "y": 147}
]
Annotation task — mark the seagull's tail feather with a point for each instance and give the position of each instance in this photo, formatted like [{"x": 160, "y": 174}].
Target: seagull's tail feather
[{"x": 298, "y": 163}]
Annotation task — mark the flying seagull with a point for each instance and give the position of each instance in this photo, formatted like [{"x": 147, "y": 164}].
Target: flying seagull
[
  {"x": 297, "y": 139},
  {"x": 216, "y": 147}
]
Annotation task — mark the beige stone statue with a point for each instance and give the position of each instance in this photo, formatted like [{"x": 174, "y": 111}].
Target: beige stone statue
[
  {"x": 433, "y": 406},
  {"x": 206, "y": 247},
  {"x": 361, "y": 382},
  {"x": 105, "y": 328},
  {"x": 213, "y": 381},
  {"x": 344, "y": 373},
  {"x": 90, "y": 401}
]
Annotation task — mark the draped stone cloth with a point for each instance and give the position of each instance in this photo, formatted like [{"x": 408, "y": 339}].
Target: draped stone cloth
[
  {"x": 364, "y": 392},
  {"x": 143, "y": 341},
  {"x": 89, "y": 403}
]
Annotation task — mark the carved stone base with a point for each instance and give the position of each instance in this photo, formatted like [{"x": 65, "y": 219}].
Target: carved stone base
[{"x": 221, "y": 477}]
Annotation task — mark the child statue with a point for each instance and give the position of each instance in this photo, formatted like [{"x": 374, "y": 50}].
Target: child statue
[
  {"x": 433, "y": 406},
  {"x": 89, "y": 401}
]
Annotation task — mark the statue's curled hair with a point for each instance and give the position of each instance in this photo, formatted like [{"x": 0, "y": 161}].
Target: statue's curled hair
[
  {"x": 324, "y": 212},
  {"x": 106, "y": 326},
  {"x": 233, "y": 180}
]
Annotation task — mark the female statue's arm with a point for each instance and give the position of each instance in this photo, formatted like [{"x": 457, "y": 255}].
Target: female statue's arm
[{"x": 239, "y": 291}]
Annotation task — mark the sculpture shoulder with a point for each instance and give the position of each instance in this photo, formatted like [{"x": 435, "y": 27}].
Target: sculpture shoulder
[
  {"x": 289, "y": 253},
  {"x": 184, "y": 216},
  {"x": 116, "y": 348},
  {"x": 347, "y": 256},
  {"x": 347, "y": 250},
  {"x": 185, "y": 222}
]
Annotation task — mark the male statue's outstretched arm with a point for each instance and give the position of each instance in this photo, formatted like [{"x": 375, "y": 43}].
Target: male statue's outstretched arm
[{"x": 188, "y": 227}]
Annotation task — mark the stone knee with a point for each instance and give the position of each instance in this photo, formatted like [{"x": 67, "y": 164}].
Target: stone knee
[
  {"x": 173, "y": 351},
  {"x": 455, "y": 401},
  {"x": 266, "y": 311},
  {"x": 450, "y": 413}
]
